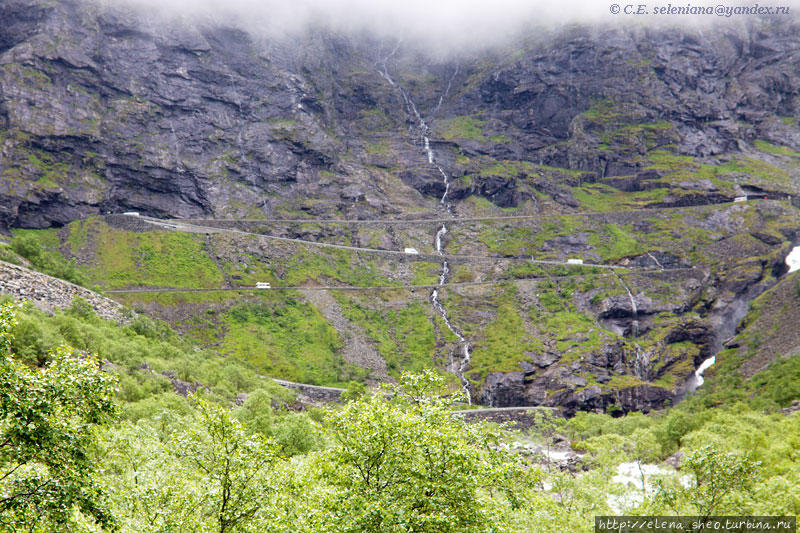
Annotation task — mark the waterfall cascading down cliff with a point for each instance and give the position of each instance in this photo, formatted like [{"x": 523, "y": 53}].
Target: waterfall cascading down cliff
[
  {"x": 457, "y": 367},
  {"x": 642, "y": 363}
]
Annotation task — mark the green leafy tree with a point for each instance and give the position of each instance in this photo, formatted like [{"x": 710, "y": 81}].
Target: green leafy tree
[
  {"x": 149, "y": 488},
  {"x": 293, "y": 433},
  {"x": 203, "y": 472},
  {"x": 404, "y": 462},
  {"x": 232, "y": 462},
  {"x": 715, "y": 475},
  {"x": 296, "y": 433},
  {"x": 256, "y": 412},
  {"x": 547, "y": 426},
  {"x": 354, "y": 391},
  {"x": 49, "y": 262},
  {"x": 677, "y": 424},
  {"x": 47, "y": 421},
  {"x": 643, "y": 448},
  {"x": 567, "y": 505}
]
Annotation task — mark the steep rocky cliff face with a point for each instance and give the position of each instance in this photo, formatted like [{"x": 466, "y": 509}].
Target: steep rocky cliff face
[
  {"x": 104, "y": 110},
  {"x": 629, "y": 144}
]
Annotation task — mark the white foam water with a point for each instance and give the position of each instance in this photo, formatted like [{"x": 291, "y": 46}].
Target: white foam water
[{"x": 793, "y": 259}]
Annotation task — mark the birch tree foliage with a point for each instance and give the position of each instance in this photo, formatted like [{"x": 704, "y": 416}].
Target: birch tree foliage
[
  {"x": 48, "y": 417},
  {"x": 202, "y": 473},
  {"x": 402, "y": 461}
]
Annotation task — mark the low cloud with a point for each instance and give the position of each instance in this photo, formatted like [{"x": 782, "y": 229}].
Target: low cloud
[{"x": 442, "y": 25}]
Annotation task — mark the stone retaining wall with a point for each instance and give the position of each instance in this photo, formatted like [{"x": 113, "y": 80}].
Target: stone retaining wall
[
  {"x": 521, "y": 418},
  {"x": 314, "y": 392}
]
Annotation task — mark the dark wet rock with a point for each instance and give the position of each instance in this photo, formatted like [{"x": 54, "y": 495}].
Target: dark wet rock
[
  {"x": 623, "y": 306},
  {"x": 543, "y": 360},
  {"x": 657, "y": 260},
  {"x": 500, "y": 190},
  {"x": 643, "y": 181},
  {"x": 568, "y": 244},
  {"x": 559, "y": 386},
  {"x": 184, "y": 388},
  {"x": 684, "y": 200},
  {"x": 425, "y": 182},
  {"x": 509, "y": 389},
  {"x": 591, "y": 393},
  {"x": 767, "y": 238},
  {"x": 698, "y": 333},
  {"x": 608, "y": 357},
  {"x": 641, "y": 398},
  {"x": 577, "y": 381},
  {"x": 675, "y": 460},
  {"x": 793, "y": 408},
  {"x": 559, "y": 195},
  {"x": 602, "y": 377},
  {"x": 743, "y": 276},
  {"x": 190, "y": 121},
  {"x": 701, "y": 185}
]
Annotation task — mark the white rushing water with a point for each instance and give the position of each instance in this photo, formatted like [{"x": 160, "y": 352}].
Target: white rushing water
[
  {"x": 437, "y": 305},
  {"x": 655, "y": 260},
  {"x": 446, "y": 92},
  {"x": 423, "y": 130},
  {"x": 638, "y": 478},
  {"x": 793, "y": 259},
  {"x": 642, "y": 365},
  {"x": 793, "y": 262},
  {"x": 698, "y": 374}
]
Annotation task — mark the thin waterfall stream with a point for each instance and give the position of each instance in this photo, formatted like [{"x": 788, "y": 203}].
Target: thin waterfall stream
[
  {"x": 634, "y": 310},
  {"x": 642, "y": 364},
  {"x": 456, "y": 367}
]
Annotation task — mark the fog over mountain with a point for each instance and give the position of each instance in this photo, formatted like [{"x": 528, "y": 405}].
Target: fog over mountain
[{"x": 444, "y": 27}]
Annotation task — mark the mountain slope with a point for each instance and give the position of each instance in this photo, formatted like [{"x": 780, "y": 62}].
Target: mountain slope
[{"x": 622, "y": 147}]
